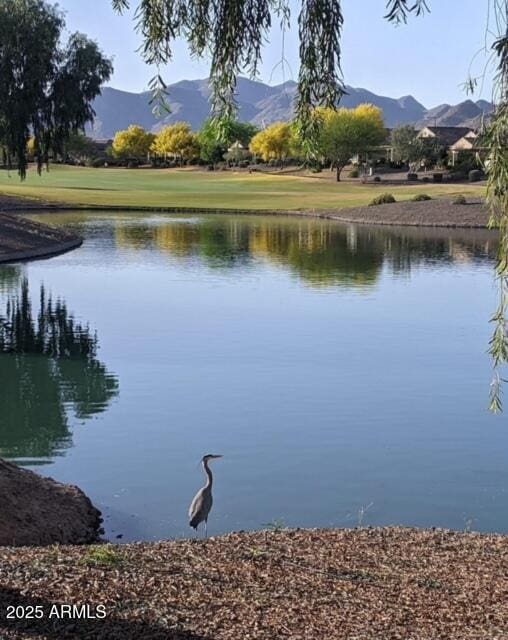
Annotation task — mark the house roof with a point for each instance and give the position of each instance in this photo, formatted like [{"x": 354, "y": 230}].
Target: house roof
[
  {"x": 447, "y": 135},
  {"x": 463, "y": 143}
]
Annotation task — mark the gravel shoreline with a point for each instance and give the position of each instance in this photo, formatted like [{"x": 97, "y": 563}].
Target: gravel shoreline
[
  {"x": 362, "y": 584},
  {"x": 428, "y": 213}
]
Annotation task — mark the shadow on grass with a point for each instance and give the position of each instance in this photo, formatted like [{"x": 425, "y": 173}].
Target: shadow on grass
[
  {"x": 109, "y": 628},
  {"x": 88, "y": 189}
]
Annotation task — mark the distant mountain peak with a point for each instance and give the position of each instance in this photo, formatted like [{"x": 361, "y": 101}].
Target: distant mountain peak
[{"x": 262, "y": 104}]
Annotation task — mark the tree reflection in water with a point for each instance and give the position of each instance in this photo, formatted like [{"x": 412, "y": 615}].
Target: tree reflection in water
[
  {"x": 48, "y": 369},
  {"x": 320, "y": 252}
]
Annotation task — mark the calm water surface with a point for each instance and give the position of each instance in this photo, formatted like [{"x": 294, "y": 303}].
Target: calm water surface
[{"x": 338, "y": 368}]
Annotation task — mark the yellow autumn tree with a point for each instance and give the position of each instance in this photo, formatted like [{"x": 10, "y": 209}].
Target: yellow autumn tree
[
  {"x": 132, "y": 143},
  {"x": 273, "y": 143},
  {"x": 176, "y": 141},
  {"x": 344, "y": 133}
]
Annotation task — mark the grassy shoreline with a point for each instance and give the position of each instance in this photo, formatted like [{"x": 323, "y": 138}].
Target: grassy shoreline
[
  {"x": 197, "y": 189},
  {"x": 303, "y": 584}
]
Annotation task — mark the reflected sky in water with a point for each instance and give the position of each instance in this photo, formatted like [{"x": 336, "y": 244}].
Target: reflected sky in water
[{"x": 333, "y": 365}]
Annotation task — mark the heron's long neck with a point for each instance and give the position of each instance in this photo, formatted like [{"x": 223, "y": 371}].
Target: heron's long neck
[{"x": 209, "y": 476}]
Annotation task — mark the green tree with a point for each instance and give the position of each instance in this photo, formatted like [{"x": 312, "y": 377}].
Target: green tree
[
  {"x": 216, "y": 137},
  {"x": 132, "y": 143},
  {"x": 407, "y": 147},
  {"x": 46, "y": 89},
  {"x": 404, "y": 143},
  {"x": 344, "y": 133},
  {"x": 177, "y": 141},
  {"x": 79, "y": 147}
]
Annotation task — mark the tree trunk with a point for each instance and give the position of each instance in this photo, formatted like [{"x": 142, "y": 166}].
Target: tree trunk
[{"x": 339, "y": 171}]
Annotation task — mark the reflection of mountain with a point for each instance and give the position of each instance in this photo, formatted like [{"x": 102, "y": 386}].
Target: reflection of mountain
[
  {"x": 323, "y": 253},
  {"x": 48, "y": 367}
]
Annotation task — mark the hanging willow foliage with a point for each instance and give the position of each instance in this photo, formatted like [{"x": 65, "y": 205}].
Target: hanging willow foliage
[
  {"x": 497, "y": 198},
  {"x": 232, "y": 33}
]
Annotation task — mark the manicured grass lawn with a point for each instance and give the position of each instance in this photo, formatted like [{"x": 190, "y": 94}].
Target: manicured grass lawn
[{"x": 160, "y": 188}]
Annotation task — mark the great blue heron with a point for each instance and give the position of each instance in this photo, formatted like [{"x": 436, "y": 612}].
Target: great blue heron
[{"x": 203, "y": 500}]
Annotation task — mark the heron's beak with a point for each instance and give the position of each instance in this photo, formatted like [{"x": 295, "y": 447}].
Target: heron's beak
[{"x": 217, "y": 456}]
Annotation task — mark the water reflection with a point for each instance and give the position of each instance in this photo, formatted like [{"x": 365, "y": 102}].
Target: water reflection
[
  {"x": 322, "y": 253},
  {"x": 10, "y": 276},
  {"x": 252, "y": 336},
  {"x": 48, "y": 369}
]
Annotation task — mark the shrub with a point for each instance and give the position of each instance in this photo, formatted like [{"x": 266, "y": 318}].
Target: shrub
[
  {"x": 426, "y": 179},
  {"x": 475, "y": 175},
  {"x": 420, "y": 197},
  {"x": 377, "y": 178},
  {"x": 437, "y": 177},
  {"x": 354, "y": 173},
  {"x": 457, "y": 175},
  {"x": 412, "y": 176},
  {"x": 460, "y": 199},
  {"x": 465, "y": 163},
  {"x": 384, "y": 198}
]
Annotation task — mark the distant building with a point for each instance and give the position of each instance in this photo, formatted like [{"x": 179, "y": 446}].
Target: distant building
[
  {"x": 101, "y": 145},
  {"x": 447, "y": 136},
  {"x": 467, "y": 144}
]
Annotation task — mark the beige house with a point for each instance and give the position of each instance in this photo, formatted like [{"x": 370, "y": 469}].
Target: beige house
[
  {"x": 467, "y": 144},
  {"x": 456, "y": 139},
  {"x": 447, "y": 136}
]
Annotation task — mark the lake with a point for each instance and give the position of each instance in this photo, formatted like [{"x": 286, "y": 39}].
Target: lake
[{"x": 341, "y": 370}]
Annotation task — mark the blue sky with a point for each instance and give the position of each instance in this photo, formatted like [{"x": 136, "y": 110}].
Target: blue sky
[{"x": 428, "y": 58}]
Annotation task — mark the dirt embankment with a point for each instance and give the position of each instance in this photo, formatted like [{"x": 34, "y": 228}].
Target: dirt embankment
[
  {"x": 363, "y": 584},
  {"x": 428, "y": 213},
  {"x": 22, "y": 239},
  {"x": 39, "y": 511}
]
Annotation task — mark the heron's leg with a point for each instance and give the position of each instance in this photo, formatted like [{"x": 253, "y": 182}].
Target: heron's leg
[{"x": 206, "y": 528}]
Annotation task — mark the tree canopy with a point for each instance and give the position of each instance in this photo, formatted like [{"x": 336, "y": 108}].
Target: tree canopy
[
  {"x": 344, "y": 133},
  {"x": 407, "y": 147},
  {"x": 46, "y": 88},
  {"x": 274, "y": 143},
  {"x": 215, "y": 138},
  {"x": 132, "y": 143},
  {"x": 176, "y": 140}
]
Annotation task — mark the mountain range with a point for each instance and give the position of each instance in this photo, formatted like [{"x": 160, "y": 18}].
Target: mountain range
[{"x": 263, "y": 104}]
